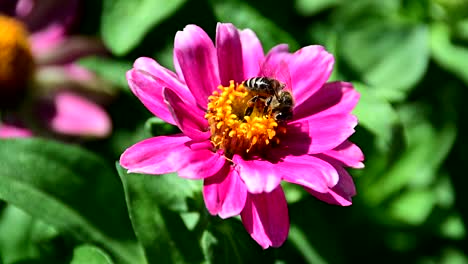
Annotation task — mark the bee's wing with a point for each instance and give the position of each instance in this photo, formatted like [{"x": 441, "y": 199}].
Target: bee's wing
[{"x": 278, "y": 70}]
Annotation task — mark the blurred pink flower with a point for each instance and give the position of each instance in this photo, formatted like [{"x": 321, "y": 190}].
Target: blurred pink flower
[
  {"x": 37, "y": 67},
  {"x": 243, "y": 159}
]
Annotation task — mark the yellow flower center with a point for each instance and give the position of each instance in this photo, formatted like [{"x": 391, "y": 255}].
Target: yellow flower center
[
  {"x": 16, "y": 60},
  {"x": 232, "y": 130}
]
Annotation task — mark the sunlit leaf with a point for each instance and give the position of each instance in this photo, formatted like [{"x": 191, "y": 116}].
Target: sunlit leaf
[
  {"x": 419, "y": 164},
  {"x": 413, "y": 207},
  {"x": 154, "y": 203},
  {"x": 21, "y": 236},
  {"x": 375, "y": 114},
  {"x": 226, "y": 241},
  {"x": 311, "y": 7},
  {"x": 451, "y": 57},
  {"x": 391, "y": 58},
  {"x": 125, "y": 23},
  {"x": 88, "y": 254},
  {"x": 299, "y": 239},
  {"x": 68, "y": 188}
]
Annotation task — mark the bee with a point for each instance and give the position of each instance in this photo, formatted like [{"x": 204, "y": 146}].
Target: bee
[{"x": 277, "y": 101}]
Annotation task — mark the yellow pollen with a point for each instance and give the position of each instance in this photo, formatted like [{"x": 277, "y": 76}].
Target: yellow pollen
[
  {"x": 16, "y": 60},
  {"x": 235, "y": 133}
]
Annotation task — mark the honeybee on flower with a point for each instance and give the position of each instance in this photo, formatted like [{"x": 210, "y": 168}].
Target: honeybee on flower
[{"x": 243, "y": 157}]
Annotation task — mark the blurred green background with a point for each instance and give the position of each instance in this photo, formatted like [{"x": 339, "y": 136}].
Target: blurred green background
[{"x": 408, "y": 59}]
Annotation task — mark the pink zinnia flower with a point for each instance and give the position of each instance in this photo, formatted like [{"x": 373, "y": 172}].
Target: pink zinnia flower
[
  {"x": 37, "y": 69},
  {"x": 243, "y": 159}
]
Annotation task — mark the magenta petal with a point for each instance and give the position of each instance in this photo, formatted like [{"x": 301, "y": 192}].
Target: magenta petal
[
  {"x": 49, "y": 22},
  {"x": 309, "y": 171},
  {"x": 266, "y": 218},
  {"x": 276, "y": 61},
  {"x": 188, "y": 118},
  {"x": 341, "y": 193},
  {"x": 325, "y": 132},
  {"x": 229, "y": 50},
  {"x": 71, "y": 114},
  {"x": 252, "y": 53},
  {"x": 225, "y": 193},
  {"x": 258, "y": 175},
  {"x": 196, "y": 56},
  {"x": 165, "y": 76},
  {"x": 165, "y": 154},
  {"x": 332, "y": 98},
  {"x": 149, "y": 90},
  {"x": 309, "y": 67},
  {"x": 348, "y": 154},
  {"x": 14, "y": 131},
  {"x": 71, "y": 49}
]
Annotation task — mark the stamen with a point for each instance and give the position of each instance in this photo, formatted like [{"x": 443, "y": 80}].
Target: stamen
[{"x": 235, "y": 133}]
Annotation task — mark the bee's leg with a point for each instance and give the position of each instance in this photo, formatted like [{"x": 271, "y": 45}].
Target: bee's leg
[
  {"x": 267, "y": 105},
  {"x": 250, "y": 105}
]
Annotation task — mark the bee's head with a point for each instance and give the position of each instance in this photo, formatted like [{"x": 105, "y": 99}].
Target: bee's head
[{"x": 283, "y": 114}]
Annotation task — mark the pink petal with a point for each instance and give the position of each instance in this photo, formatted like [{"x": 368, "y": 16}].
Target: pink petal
[
  {"x": 196, "y": 56},
  {"x": 24, "y": 7},
  {"x": 71, "y": 49},
  {"x": 252, "y": 53},
  {"x": 149, "y": 88},
  {"x": 276, "y": 56},
  {"x": 348, "y": 154},
  {"x": 188, "y": 118},
  {"x": 49, "y": 22},
  {"x": 225, "y": 193},
  {"x": 258, "y": 175},
  {"x": 229, "y": 50},
  {"x": 341, "y": 193},
  {"x": 310, "y": 67},
  {"x": 71, "y": 114},
  {"x": 14, "y": 131},
  {"x": 309, "y": 171},
  {"x": 266, "y": 218},
  {"x": 168, "y": 78},
  {"x": 43, "y": 42},
  {"x": 332, "y": 98},
  {"x": 165, "y": 154},
  {"x": 319, "y": 133}
]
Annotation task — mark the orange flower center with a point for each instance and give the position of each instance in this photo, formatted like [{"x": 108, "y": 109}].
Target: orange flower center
[
  {"x": 235, "y": 132},
  {"x": 16, "y": 60}
]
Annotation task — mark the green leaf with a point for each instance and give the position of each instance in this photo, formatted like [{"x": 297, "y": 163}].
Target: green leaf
[
  {"x": 391, "y": 58},
  {"x": 312, "y": 7},
  {"x": 226, "y": 241},
  {"x": 109, "y": 69},
  {"x": 419, "y": 163},
  {"x": 375, "y": 114},
  {"x": 124, "y": 23},
  {"x": 70, "y": 189},
  {"x": 245, "y": 16},
  {"x": 451, "y": 57},
  {"x": 414, "y": 206},
  {"x": 157, "y": 127},
  {"x": 21, "y": 235},
  {"x": 88, "y": 254},
  {"x": 154, "y": 203},
  {"x": 299, "y": 239}
]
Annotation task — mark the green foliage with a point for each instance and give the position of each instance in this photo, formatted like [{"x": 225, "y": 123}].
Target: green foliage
[
  {"x": 125, "y": 23},
  {"x": 70, "y": 189},
  {"x": 87, "y": 254}
]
